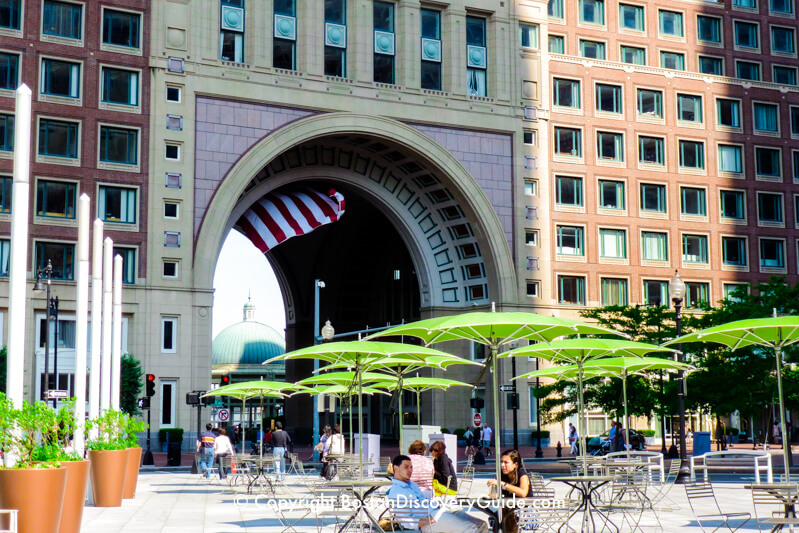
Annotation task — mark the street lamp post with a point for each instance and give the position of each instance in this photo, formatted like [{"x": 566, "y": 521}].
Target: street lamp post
[
  {"x": 677, "y": 293},
  {"x": 38, "y": 287},
  {"x": 319, "y": 336},
  {"x": 539, "y": 452}
]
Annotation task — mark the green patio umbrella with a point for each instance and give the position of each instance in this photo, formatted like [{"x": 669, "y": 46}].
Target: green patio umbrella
[
  {"x": 775, "y": 333},
  {"x": 494, "y": 330},
  {"x": 617, "y": 367},
  {"x": 254, "y": 389},
  {"x": 356, "y": 355},
  {"x": 423, "y": 384},
  {"x": 578, "y": 352}
]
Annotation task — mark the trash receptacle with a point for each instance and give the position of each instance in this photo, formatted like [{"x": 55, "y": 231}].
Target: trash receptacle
[
  {"x": 173, "y": 454},
  {"x": 701, "y": 442}
]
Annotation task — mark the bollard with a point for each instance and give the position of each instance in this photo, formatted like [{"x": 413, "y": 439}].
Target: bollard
[{"x": 559, "y": 448}]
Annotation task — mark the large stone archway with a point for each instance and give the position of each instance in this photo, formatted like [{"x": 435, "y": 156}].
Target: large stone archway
[{"x": 437, "y": 207}]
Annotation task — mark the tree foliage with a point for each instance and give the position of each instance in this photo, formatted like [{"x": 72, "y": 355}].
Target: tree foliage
[{"x": 131, "y": 384}]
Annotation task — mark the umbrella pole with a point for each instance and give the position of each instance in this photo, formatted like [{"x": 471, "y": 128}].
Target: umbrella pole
[
  {"x": 580, "y": 420},
  {"x": 243, "y": 410},
  {"x": 400, "y": 411},
  {"x": 261, "y": 439},
  {"x": 360, "y": 422},
  {"x": 786, "y": 444},
  {"x": 418, "y": 412},
  {"x": 626, "y": 417},
  {"x": 497, "y": 454}
]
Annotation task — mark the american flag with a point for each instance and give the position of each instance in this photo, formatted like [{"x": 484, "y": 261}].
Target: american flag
[{"x": 281, "y": 215}]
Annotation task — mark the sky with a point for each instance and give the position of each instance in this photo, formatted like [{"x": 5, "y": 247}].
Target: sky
[{"x": 243, "y": 271}]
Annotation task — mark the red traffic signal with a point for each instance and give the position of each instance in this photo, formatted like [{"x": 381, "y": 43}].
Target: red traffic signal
[
  {"x": 150, "y": 389},
  {"x": 225, "y": 381}
]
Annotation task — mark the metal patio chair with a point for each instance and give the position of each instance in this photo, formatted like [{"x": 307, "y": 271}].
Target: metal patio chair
[{"x": 701, "y": 497}]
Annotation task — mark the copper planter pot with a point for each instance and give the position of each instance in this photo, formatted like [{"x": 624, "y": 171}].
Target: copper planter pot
[
  {"x": 108, "y": 468},
  {"x": 74, "y": 495},
  {"x": 38, "y": 495},
  {"x": 132, "y": 472}
]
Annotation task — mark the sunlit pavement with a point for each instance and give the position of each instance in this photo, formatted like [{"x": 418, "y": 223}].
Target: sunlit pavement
[{"x": 178, "y": 502}]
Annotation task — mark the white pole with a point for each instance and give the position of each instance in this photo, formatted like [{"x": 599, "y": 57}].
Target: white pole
[
  {"x": 81, "y": 319},
  {"x": 116, "y": 336},
  {"x": 97, "y": 306},
  {"x": 105, "y": 380},
  {"x": 17, "y": 270}
]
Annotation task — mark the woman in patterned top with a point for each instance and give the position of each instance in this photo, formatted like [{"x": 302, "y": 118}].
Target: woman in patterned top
[{"x": 422, "y": 466}]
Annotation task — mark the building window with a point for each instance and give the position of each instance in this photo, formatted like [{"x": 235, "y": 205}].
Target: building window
[
  {"x": 670, "y": 23},
  {"x": 772, "y": 253},
  {"x": 128, "y": 263},
  {"x": 746, "y": 34},
  {"x": 121, "y": 28},
  {"x": 569, "y": 191},
  {"x": 784, "y": 7},
  {"x": 169, "y": 334},
  {"x": 592, "y": 11},
  {"x": 693, "y": 201},
  {"x": 9, "y": 14},
  {"x": 692, "y": 155},
  {"x": 172, "y": 210},
  {"x": 733, "y": 204},
  {"x": 5, "y": 256},
  {"x": 697, "y": 294},
  {"x": 531, "y": 237},
  {"x": 383, "y": 23},
  {"x": 60, "y": 255},
  {"x": 169, "y": 269},
  {"x": 608, "y": 98},
  {"x": 631, "y": 17},
  {"x": 9, "y": 71},
  {"x": 555, "y": 9},
  {"x": 733, "y": 251},
  {"x": 477, "y": 56},
  {"x": 633, "y": 55},
  {"x": 531, "y": 188},
  {"x": 570, "y": 241},
  {"x": 62, "y": 19},
  {"x": 6, "y": 186},
  {"x": 728, "y": 113},
  {"x": 611, "y": 194},
  {"x": 783, "y": 40},
  {"x": 711, "y": 65},
  {"x": 172, "y": 151},
  {"x": 614, "y": 291},
  {"x": 734, "y": 291},
  {"x": 650, "y": 103},
  {"x": 529, "y": 137},
  {"x": 7, "y": 133},
  {"x": 568, "y": 142},
  {"x": 689, "y": 108},
  {"x": 766, "y": 117},
  {"x": 694, "y": 248},
  {"x": 168, "y": 400},
  {"x": 653, "y": 198},
  {"x": 746, "y": 70},
  {"x": 117, "y": 204},
  {"x": 654, "y": 246},
  {"x": 708, "y": 29},
  {"x": 795, "y": 209},
  {"x": 566, "y": 93},
  {"x": 610, "y": 146},
  {"x": 650, "y": 150},
  {"x": 556, "y": 44},
  {"x": 768, "y": 163},
  {"x": 231, "y": 33},
  {"x": 592, "y": 49},
  {"x": 431, "y": 49},
  {"x": 528, "y": 35},
  {"x": 730, "y": 158},
  {"x": 173, "y": 94},
  {"x": 656, "y": 292},
  {"x": 59, "y": 139},
  {"x": 672, "y": 60},
  {"x": 118, "y": 145},
  {"x": 284, "y": 44},
  {"x": 769, "y": 208},
  {"x": 120, "y": 86},
  {"x": 613, "y": 243},
  {"x": 55, "y": 199},
  {"x": 571, "y": 290},
  {"x": 533, "y": 289},
  {"x": 60, "y": 78},
  {"x": 784, "y": 75}
]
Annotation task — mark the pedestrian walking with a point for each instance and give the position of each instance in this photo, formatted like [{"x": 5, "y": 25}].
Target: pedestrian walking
[
  {"x": 205, "y": 447},
  {"x": 573, "y": 439},
  {"x": 486, "y": 438},
  {"x": 282, "y": 441}
]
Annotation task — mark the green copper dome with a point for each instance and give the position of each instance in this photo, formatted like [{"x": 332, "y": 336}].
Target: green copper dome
[{"x": 247, "y": 343}]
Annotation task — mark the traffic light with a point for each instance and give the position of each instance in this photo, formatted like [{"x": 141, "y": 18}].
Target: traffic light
[
  {"x": 225, "y": 380},
  {"x": 477, "y": 403},
  {"x": 150, "y": 391},
  {"x": 144, "y": 403}
]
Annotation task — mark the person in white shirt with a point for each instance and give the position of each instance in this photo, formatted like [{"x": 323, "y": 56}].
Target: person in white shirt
[
  {"x": 574, "y": 438},
  {"x": 486, "y": 438},
  {"x": 222, "y": 447}
]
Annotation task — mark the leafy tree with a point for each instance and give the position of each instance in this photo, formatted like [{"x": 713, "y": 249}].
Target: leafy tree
[
  {"x": 130, "y": 384},
  {"x": 3, "y": 368}
]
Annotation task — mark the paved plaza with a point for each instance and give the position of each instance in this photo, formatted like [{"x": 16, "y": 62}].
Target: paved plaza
[{"x": 180, "y": 502}]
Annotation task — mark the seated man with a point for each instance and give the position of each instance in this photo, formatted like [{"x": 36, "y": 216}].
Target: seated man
[{"x": 406, "y": 492}]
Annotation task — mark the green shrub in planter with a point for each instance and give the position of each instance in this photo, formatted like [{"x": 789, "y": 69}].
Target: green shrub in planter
[
  {"x": 535, "y": 434},
  {"x": 175, "y": 435},
  {"x": 459, "y": 433},
  {"x": 110, "y": 432},
  {"x": 646, "y": 432},
  {"x": 731, "y": 431},
  {"x": 25, "y": 433},
  {"x": 444, "y": 430}
]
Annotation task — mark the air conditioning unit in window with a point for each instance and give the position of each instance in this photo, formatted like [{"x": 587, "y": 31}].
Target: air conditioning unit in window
[
  {"x": 174, "y": 122},
  {"x": 232, "y": 19},
  {"x": 530, "y": 112},
  {"x": 172, "y": 239},
  {"x": 175, "y": 64},
  {"x": 173, "y": 180}
]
